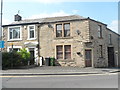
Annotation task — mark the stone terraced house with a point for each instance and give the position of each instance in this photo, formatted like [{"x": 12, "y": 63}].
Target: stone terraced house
[{"x": 72, "y": 40}]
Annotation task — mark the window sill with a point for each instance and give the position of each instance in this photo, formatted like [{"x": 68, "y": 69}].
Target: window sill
[
  {"x": 101, "y": 57},
  {"x": 100, "y": 37},
  {"x": 65, "y": 60},
  {"x": 110, "y": 44},
  {"x": 31, "y": 39},
  {"x": 63, "y": 37},
  {"x": 14, "y": 40}
]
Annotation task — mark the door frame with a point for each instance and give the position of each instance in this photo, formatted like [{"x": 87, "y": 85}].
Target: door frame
[
  {"x": 35, "y": 52},
  {"x": 91, "y": 56}
]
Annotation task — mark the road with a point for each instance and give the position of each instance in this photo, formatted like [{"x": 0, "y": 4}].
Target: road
[{"x": 61, "y": 81}]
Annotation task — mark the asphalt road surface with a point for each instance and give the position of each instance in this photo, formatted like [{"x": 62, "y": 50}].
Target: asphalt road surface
[{"x": 61, "y": 81}]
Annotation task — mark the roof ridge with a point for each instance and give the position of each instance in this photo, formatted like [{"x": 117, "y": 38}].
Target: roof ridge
[
  {"x": 49, "y": 19},
  {"x": 54, "y": 17}
]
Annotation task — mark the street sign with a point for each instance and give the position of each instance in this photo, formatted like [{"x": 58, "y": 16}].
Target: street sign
[{"x": 2, "y": 44}]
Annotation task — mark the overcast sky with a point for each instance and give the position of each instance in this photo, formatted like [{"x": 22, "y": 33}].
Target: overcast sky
[{"x": 106, "y": 12}]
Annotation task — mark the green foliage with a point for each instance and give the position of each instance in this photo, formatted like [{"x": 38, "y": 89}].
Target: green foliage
[
  {"x": 15, "y": 59},
  {"x": 25, "y": 55},
  {"x": 11, "y": 59}
]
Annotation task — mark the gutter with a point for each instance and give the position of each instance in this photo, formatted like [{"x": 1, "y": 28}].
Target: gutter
[{"x": 20, "y": 24}]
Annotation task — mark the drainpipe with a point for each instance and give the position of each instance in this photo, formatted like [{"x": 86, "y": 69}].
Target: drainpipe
[
  {"x": 38, "y": 39},
  {"x": 38, "y": 46}
]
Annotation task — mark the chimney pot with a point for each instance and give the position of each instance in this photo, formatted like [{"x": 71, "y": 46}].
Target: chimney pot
[{"x": 17, "y": 17}]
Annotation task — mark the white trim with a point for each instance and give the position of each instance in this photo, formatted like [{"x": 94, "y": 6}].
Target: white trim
[
  {"x": 9, "y": 33},
  {"x": 8, "y": 48},
  {"x": 29, "y": 33},
  {"x": 35, "y": 53},
  {"x": 31, "y": 42}
]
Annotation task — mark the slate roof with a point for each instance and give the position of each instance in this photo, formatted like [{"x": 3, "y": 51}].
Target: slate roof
[{"x": 47, "y": 20}]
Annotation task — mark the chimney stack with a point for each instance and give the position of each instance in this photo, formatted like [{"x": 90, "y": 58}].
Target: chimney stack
[{"x": 17, "y": 17}]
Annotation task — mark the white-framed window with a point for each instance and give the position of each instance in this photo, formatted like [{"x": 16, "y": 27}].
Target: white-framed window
[
  {"x": 15, "y": 48},
  {"x": 31, "y": 32},
  {"x": 14, "y": 33}
]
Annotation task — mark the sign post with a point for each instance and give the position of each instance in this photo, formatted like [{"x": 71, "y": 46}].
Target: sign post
[{"x": 1, "y": 44}]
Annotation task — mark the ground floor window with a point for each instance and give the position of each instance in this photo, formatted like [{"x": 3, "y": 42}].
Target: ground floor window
[
  {"x": 59, "y": 52},
  {"x": 14, "y": 49},
  {"x": 67, "y": 51},
  {"x": 63, "y": 51},
  {"x": 101, "y": 51}
]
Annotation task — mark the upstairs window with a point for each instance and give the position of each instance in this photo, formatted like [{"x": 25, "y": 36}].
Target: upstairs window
[
  {"x": 66, "y": 30},
  {"x": 59, "y": 30},
  {"x": 63, "y": 30},
  {"x": 14, "y": 33},
  {"x": 99, "y": 31},
  {"x": 110, "y": 39},
  {"x": 31, "y": 32}
]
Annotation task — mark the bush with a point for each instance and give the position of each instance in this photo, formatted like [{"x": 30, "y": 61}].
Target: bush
[
  {"x": 15, "y": 59},
  {"x": 11, "y": 59}
]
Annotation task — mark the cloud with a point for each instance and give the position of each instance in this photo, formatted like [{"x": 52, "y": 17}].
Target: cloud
[
  {"x": 114, "y": 25},
  {"x": 75, "y": 11},
  {"x": 55, "y": 14},
  {"x": 6, "y": 21}
]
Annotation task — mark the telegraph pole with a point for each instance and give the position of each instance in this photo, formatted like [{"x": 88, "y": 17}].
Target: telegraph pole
[
  {"x": 1, "y": 20},
  {"x": 1, "y": 40},
  {"x": 1, "y": 33}
]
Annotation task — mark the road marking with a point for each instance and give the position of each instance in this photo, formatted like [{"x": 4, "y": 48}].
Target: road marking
[{"x": 61, "y": 75}]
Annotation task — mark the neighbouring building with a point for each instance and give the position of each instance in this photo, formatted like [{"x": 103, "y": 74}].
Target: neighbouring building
[{"x": 72, "y": 40}]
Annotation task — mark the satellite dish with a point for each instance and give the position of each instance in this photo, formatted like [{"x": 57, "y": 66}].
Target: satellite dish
[
  {"x": 50, "y": 26},
  {"x": 78, "y": 32}
]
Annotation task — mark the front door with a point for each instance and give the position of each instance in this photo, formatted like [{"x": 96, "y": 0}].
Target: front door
[
  {"x": 88, "y": 58},
  {"x": 111, "y": 62},
  {"x": 32, "y": 55}
]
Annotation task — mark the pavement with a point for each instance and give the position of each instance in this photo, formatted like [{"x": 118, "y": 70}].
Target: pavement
[{"x": 58, "y": 70}]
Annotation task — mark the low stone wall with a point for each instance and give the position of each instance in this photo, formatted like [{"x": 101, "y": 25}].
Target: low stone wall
[{"x": 66, "y": 63}]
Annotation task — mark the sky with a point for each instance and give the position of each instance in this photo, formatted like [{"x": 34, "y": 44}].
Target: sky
[{"x": 106, "y": 12}]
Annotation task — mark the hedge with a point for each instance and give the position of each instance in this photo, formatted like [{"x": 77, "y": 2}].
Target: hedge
[{"x": 14, "y": 59}]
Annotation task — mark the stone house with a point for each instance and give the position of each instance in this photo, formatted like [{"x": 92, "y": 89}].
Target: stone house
[{"x": 72, "y": 40}]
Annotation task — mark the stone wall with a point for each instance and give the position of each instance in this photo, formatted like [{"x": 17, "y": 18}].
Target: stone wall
[
  {"x": 96, "y": 41},
  {"x": 21, "y": 42},
  {"x": 48, "y": 42},
  {"x": 87, "y": 38},
  {"x": 115, "y": 44}
]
